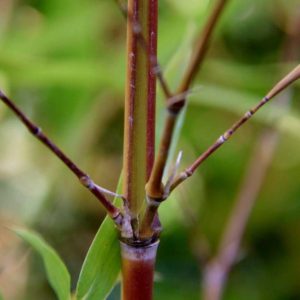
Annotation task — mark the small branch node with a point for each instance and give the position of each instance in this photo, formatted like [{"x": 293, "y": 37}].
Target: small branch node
[
  {"x": 281, "y": 85},
  {"x": 176, "y": 102},
  {"x": 156, "y": 70},
  {"x": 187, "y": 173},
  {"x": 37, "y": 131},
  {"x": 222, "y": 139},
  {"x": 227, "y": 134},
  {"x": 90, "y": 184},
  {"x": 84, "y": 179},
  {"x": 152, "y": 202},
  {"x": 248, "y": 114},
  {"x": 87, "y": 182}
]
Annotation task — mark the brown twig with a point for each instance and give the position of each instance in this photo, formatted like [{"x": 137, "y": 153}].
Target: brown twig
[
  {"x": 113, "y": 211},
  {"x": 154, "y": 189},
  {"x": 174, "y": 107},
  {"x": 284, "y": 83},
  {"x": 201, "y": 46},
  {"x": 218, "y": 268}
]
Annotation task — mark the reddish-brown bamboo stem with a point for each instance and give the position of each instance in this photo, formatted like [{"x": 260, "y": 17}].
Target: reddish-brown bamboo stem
[
  {"x": 138, "y": 257},
  {"x": 174, "y": 107},
  {"x": 154, "y": 186},
  {"x": 139, "y": 102},
  {"x": 138, "y": 271},
  {"x": 155, "y": 66},
  {"x": 155, "y": 190}
]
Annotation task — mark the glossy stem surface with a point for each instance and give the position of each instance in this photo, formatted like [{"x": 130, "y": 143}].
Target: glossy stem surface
[
  {"x": 140, "y": 94},
  {"x": 138, "y": 264}
]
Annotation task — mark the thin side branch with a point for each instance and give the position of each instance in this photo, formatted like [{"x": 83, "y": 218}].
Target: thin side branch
[
  {"x": 155, "y": 189},
  {"x": 284, "y": 83},
  {"x": 202, "y": 46},
  {"x": 113, "y": 211},
  {"x": 175, "y": 104},
  {"x": 218, "y": 268}
]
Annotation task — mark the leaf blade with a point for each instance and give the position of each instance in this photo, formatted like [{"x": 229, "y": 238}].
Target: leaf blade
[
  {"x": 57, "y": 273},
  {"x": 102, "y": 264}
]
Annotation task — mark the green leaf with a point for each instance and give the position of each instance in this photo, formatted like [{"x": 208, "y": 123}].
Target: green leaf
[
  {"x": 57, "y": 273},
  {"x": 1, "y": 297},
  {"x": 102, "y": 264}
]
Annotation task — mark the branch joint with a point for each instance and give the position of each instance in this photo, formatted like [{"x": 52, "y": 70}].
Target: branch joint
[
  {"x": 175, "y": 107},
  {"x": 154, "y": 202}
]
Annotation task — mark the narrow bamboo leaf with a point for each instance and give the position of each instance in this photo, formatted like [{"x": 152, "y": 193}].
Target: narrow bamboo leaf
[
  {"x": 57, "y": 273},
  {"x": 102, "y": 264}
]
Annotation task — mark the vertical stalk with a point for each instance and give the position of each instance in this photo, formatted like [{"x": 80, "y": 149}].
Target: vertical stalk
[
  {"x": 138, "y": 258},
  {"x": 138, "y": 271},
  {"x": 139, "y": 102}
]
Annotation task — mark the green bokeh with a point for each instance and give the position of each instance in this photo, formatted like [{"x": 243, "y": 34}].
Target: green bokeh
[{"x": 64, "y": 63}]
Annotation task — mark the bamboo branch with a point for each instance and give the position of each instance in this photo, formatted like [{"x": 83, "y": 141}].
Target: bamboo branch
[
  {"x": 201, "y": 48},
  {"x": 282, "y": 84},
  {"x": 36, "y": 131},
  {"x": 154, "y": 188},
  {"x": 175, "y": 104},
  {"x": 218, "y": 268}
]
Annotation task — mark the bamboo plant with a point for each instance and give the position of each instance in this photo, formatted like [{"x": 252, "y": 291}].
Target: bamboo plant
[{"x": 144, "y": 187}]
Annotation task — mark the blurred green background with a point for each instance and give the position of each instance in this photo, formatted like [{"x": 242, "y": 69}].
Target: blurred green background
[{"x": 64, "y": 63}]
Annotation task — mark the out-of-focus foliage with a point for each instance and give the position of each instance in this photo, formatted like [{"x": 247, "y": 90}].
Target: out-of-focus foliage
[{"x": 63, "y": 62}]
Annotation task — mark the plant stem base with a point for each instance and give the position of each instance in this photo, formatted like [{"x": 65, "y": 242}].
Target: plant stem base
[{"x": 138, "y": 271}]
